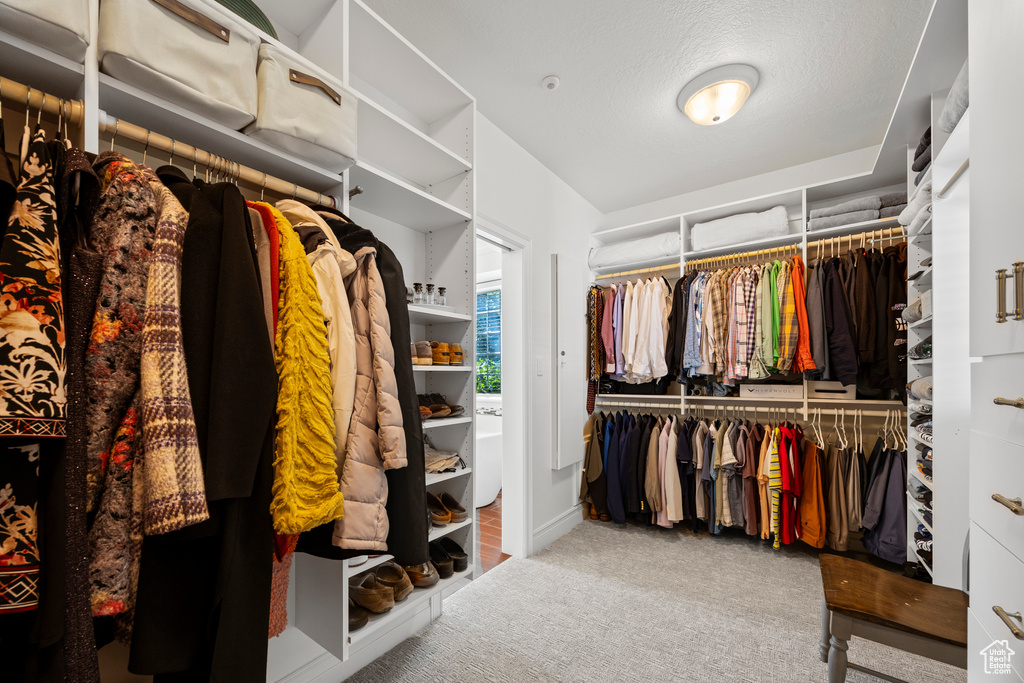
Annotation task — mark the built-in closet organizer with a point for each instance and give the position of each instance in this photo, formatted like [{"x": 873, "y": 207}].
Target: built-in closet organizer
[
  {"x": 801, "y": 400},
  {"x": 412, "y": 186},
  {"x": 996, "y": 303}
]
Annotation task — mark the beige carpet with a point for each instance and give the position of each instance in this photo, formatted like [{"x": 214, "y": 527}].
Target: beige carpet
[{"x": 631, "y": 604}]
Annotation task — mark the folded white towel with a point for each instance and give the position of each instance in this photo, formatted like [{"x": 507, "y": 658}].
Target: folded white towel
[
  {"x": 743, "y": 227},
  {"x": 636, "y": 252},
  {"x": 921, "y": 197},
  {"x": 920, "y": 219}
]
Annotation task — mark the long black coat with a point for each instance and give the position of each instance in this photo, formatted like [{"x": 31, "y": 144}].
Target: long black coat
[{"x": 203, "y": 606}]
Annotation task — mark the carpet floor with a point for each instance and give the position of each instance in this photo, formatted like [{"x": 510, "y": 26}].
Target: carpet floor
[{"x": 605, "y": 603}]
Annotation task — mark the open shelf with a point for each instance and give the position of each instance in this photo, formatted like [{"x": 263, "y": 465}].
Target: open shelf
[
  {"x": 442, "y": 531},
  {"x": 445, "y": 476},
  {"x": 389, "y": 142},
  {"x": 853, "y": 228},
  {"x": 912, "y": 469},
  {"x": 912, "y": 508},
  {"x": 388, "y": 63},
  {"x": 442, "y": 368},
  {"x": 399, "y": 201},
  {"x": 765, "y": 243},
  {"x": 854, "y": 402},
  {"x": 924, "y": 564},
  {"x": 37, "y": 67},
  {"x": 638, "y": 230},
  {"x": 428, "y": 315},
  {"x": 923, "y": 322},
  {"x": 921, "y": 361},
  {"x": 743, "y": 399},
  {"x": 136, "y": 106},
  {"x": 371, "y": 563},
  {"x": 924, "y": 281},
  {"x": 446, "y": 421},
  {"x": 402, "y": 610}
]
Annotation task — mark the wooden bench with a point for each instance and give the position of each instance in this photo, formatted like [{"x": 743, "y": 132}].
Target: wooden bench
[{"x": 868, "y": 602}]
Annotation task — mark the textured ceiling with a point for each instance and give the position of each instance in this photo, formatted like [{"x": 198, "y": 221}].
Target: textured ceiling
[{"x": 831, "y": 73}]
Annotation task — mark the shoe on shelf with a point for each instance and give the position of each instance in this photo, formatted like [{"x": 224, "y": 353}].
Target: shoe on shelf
[
  {"x": 424, "y": 354},
  {"x": 437, "y": 402},
  {"x": 371, "y": 594},
  {"x": 438, "y": 461},
  {"x": 456, "y": 510},
  {"x": 440, "y": 410},
  {"x": 441, "y": 560},
  {"x": 357, "y": 616},
  {"x": 422, "y": 575},
  {"x": 460, "y": 559},
  {"x": 390, "y": 574},
  {"x": 439, "y": 514},
  {"x": 441, "y": 354}
]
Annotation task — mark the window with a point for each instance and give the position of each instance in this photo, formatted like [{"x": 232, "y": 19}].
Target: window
[{"x": 488, "y": 342}]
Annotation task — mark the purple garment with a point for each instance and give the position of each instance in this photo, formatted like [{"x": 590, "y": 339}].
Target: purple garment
[{"x": 620, "y": 367}]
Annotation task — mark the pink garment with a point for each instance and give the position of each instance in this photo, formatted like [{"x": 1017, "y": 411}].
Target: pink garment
[
  {"x": 607, "y": 336},
  {"x": 662, "y": 516}
]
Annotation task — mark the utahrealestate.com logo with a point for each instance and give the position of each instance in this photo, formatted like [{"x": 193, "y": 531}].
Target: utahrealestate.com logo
[{"x": 997, "y": 657}]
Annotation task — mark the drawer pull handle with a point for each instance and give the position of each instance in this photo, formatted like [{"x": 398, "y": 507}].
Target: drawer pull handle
[
  {"x": 1006, "y": 616},
  {"x": 1001, "y": 295},
  {"x": 1014, "y": 505},
  {"x": 1016, "y": 403},
  {"x": 1018, "y": 290}
]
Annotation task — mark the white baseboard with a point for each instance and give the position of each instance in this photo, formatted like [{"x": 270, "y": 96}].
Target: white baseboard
[{"x": 556, "y": 528}]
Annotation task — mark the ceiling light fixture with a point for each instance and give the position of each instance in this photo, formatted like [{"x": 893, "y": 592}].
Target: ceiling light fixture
[{"x": 715, "y": 96}]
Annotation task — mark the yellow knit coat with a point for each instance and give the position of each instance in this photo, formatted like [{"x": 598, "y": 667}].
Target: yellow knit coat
[{"x": 306, "y": 489}]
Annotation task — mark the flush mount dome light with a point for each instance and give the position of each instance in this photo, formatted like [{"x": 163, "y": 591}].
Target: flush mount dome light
[{"x": 716, "y": 95}]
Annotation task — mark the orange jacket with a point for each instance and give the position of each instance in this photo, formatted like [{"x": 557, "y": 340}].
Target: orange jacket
[
  {"x": 811, "y": 505},
  {"x": 804, "y": 360}
]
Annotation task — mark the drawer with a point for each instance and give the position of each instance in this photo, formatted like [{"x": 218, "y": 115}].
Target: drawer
[
  {"x": 995, "y": 580},
  {"x": 998, "y": 377},
  {"x": 997, "y": 467},
  {"x": 978, "y": 641}
]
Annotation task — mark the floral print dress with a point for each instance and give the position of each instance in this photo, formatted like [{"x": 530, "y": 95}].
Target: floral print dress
[{"x": 32, "y": 368}]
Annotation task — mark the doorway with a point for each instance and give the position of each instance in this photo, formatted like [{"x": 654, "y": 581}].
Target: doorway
[{"x": 501, "y": 493}]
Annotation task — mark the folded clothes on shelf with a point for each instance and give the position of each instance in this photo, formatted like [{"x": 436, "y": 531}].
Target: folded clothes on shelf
[
  {"x": 920, "y": 389},
  {"x": 922, "y": 350},
  {"x": 921, "y": 162},
  {"x": 892, "y": 199},
  {"x": 924, "y": 143},
  {"x": 922, "y": 198},
  {"x": 892, "y": 211},
  {"x": 957, "y": 101},
  {"x": 836, "y": 221},
  {"x": 743, "y": 227},
  {"x": 871, "y": 203},
  {"x": 920, "y": 176}
]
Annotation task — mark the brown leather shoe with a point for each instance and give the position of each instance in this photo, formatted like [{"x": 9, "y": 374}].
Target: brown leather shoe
[
  {"x": 439, "y": 514},
  {"x": 371, "y": 594},
  {"x": 390, "y": 574},
  {"x": 458, "y": 512},
  {"x": 460, "y": 560},
  {"x": 441, "y": 560},
  {"x": 357, "y": 616},
  {"x": 422, "y": 575}
]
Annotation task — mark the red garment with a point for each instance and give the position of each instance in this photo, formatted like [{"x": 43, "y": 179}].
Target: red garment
[
  {"x": 804, "y": 360},
  {"x": 270, "y": 225},
  {"x": 792, "y": 485}
]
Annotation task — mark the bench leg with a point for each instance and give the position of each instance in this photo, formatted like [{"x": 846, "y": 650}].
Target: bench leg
[
  {"x": 826, "y": 631},
  {"x": 842, "y": 628}
]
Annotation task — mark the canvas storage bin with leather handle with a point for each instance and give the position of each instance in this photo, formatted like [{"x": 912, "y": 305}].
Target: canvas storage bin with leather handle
[
  {"x": 185, "y": 51},
  {"x": 304, "y": 111},
  {"x": 58, "y": 25}
]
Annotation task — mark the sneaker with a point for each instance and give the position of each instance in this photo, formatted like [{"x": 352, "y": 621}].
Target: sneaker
[
  {"x": 424, "y": 354},
  {"x": 441, "y": 354}
]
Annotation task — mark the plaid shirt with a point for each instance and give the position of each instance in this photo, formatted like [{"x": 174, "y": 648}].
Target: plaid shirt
[
  {"x": 731, "y": 328},
  {"x": 746, "y": 340},
  {"x": 756, "y": 368},
  {"x": 789, "y": 328},
  {"x": 721, "y": 321}
]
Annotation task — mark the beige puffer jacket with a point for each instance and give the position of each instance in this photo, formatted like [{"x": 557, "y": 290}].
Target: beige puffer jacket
[
  {"x": 376, "y": 438},
  {"x": 331, "y": 265}
]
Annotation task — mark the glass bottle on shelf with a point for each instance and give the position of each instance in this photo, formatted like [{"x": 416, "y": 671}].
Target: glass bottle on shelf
[
  {"x": 431, "y": 297},
  {"x": 442, "y": 300},
  {"x": 417, "y": 293}
]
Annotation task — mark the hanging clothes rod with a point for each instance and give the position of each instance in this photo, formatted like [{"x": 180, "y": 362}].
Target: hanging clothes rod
[
  {"x": 956, "y": 176},
  {"x": 871, "y": 236},
  {"x": 742, "y": 256},
  {"x": 638, "y": 404},
  {"x": 73, "y": 111},
  {"x": 652, "y": 269},
  {"x": 118, "y": 128}
]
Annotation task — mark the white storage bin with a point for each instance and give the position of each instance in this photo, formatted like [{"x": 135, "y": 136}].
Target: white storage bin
[
  {"x": 184, "y": 51},
  {"x": 787, "y": 391},
  {"x": 304, "y": 111},
  {"x": 833, "y": 391},
  {"x": 61, "y": 26}
]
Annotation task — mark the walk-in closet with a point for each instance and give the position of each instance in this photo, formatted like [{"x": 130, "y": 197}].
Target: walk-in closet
[{"x": 375, "y": 340}]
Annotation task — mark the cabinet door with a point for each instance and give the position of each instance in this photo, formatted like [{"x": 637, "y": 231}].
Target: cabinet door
[{"x": 997, "y": 151}]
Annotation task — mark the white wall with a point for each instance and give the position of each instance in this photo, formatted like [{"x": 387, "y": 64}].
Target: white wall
[{"x": 518, "y": 193}]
